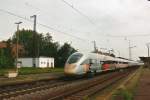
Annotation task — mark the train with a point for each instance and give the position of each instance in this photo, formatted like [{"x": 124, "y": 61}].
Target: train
[{"x": 80, "y": 63}]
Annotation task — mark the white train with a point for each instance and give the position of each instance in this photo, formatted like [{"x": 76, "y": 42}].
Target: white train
[{"x": 82, "y": 63}]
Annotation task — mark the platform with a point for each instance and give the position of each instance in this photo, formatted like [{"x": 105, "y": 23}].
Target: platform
[{"x": 143, "y": 88}]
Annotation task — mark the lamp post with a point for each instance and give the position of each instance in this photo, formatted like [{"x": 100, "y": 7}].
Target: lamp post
[{"x": 17, "y": 39}]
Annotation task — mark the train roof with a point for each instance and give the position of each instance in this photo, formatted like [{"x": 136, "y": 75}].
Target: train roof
[{"x": 105, "y": 57}]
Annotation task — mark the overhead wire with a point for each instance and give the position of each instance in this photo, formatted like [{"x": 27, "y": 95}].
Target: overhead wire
[
  {"x": 81, "y": 13},
  {"x": 91, "y": 21},
  {"x": 78, "y": 11},
  {"x": 121, "y": 36},
  {"x": 38, "y": 9},
  {"x": 43, "y": 25}
]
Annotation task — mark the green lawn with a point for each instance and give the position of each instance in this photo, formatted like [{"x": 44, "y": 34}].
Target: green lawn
[
  {"x": 2, "y": 71},
  {"x": 27, "y": 70}
]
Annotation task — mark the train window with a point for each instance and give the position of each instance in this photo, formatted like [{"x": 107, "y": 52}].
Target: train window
[
  {"x": 92, "y": 61},
  {"x": 125, "y": 62},
  {"x": 107, "y": 62},
  {"x": 74, "y": 58},
  {"x": 101, "y": 62}
]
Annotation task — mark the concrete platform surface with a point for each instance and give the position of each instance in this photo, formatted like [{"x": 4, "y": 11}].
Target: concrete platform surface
[{"x": 143, "y": 88}]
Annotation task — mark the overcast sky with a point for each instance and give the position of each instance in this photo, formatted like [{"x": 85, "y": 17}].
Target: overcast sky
[{"x": 105, "y": 21}]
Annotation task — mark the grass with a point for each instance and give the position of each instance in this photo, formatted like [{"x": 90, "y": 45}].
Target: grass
[
  {"x": 3, "y": 71},
  {"x": 31, "y": 70},
  {"x": 127, "y": 90}
]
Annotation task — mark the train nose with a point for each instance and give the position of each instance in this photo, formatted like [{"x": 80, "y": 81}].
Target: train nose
[{"x": 69, "y": 69}]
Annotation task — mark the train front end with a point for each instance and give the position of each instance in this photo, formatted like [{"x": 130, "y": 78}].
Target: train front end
[{"x": 71, "y": 66}]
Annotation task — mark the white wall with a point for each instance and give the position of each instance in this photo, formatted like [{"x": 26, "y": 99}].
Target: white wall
[
  {"x": 46, "y": 62},
  {"x": 41, "y": 62},
  {"x": 25, "y": 62},
  {"x": 37, "y": 62}
]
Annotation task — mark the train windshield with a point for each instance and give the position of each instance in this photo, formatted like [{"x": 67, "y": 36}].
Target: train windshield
[{"x": 74, "y": 58}]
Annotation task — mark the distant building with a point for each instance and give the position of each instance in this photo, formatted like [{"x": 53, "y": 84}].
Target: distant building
[
  {"x": 146, "y": 61},
  {"x": 13, "y": 48},
  {"x": 41, "y": 62}
]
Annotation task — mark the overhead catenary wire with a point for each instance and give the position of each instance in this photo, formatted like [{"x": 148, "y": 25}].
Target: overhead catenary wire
[
  {"x": 79, "y": 12},
  {"x": 122, "y": 36},
  {"x": 38, "y": 9},
  {"x": 91, "y": 21},
  {"x": 43, "y": 25},
  {"x": 46, "y": 26}
]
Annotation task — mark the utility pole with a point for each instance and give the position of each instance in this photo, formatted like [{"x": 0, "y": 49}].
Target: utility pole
[
  {"x": 148, "y": 51},
  {"x": 17, "y": 39},
  {"x": 34, "y": 25},
  {"x": 95, "y": 48},
  {"x": 130, "y": 47},
  {"x": 35, "y": 49},
  {"x": 147, "y": 44},
  {"x": 129, "y": 50}
]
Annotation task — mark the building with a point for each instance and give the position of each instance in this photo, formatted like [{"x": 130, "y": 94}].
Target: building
[
  {"x": 41, "y": 62},
  {"x": 146, "y": 61},
  {"x": 21, "y": 50}
]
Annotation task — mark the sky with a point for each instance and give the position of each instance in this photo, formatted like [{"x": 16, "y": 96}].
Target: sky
[{"x": 111, "y": 23}]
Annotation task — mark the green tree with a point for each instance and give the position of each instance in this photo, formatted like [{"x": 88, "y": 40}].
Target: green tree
[
  {"x": 63, "y": 53},
  {"x": 44, "y": 45},
  {"x": 6, "y": 59}
]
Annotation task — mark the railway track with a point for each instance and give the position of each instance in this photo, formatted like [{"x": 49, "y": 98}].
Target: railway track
[
  {"x": 15, "y": 90},
  {"x": 30, "y": 87},
  {"x": 90, "y": 88},
  {"x": 67, "y": 90}
]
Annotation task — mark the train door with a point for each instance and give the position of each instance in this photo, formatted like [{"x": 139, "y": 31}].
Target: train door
[
  {"x": 112, "y": 65},
  {"x": 101, "y": 65}
]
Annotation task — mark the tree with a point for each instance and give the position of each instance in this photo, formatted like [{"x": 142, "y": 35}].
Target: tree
[
  {"x": 63, "y": 53},
  {"x": 6, "y": 59},
  {"x": 44, "y": 45},
  {"x": 25, "y": 39}
]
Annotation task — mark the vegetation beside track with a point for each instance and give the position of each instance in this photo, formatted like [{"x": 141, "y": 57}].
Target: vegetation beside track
[
  {"x": 3, "y": 71},
  {"x": 31, "y": 70},
  {"x": 127, "y": 89}
]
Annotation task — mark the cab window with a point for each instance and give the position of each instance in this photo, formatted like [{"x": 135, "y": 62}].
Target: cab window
[{"x": 74, "y": 58}]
